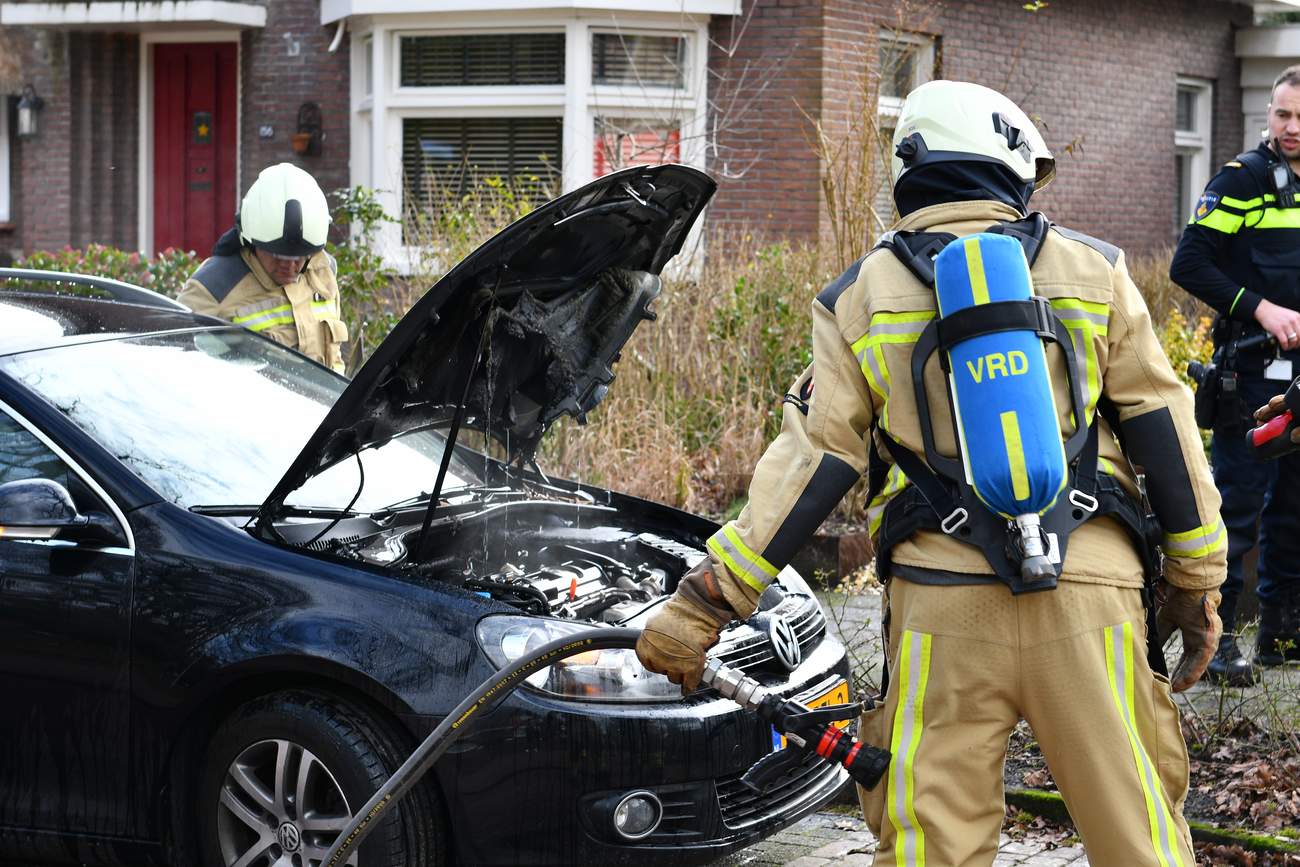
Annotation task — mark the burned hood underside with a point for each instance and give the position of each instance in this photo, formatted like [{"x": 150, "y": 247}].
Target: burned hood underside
[{"x": 525, "y": 329}]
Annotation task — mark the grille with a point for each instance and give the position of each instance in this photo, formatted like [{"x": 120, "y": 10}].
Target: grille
[
  {"x": 812, "y": 781},
  {"x": 748, "y": 649}
]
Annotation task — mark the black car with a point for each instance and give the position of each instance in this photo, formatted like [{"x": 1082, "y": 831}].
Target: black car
[{"x": 216, "y": 642}]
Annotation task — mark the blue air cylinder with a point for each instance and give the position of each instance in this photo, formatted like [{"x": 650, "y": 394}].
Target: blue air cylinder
[{"x": 1007, "y": 422}]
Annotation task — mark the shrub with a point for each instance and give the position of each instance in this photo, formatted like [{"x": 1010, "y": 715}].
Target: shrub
[{"x": 165, "y": 273}]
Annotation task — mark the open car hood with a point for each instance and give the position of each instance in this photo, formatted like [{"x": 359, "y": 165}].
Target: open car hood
[{"x": 538, "y": 314}]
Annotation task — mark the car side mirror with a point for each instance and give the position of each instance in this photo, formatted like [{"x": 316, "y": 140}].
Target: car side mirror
[{"x": 43, "y": 509}]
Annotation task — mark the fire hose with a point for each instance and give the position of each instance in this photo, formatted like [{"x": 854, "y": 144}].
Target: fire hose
[{"x": 805, "y": 729}]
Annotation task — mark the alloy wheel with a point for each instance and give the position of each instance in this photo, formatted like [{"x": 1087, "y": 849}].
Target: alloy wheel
[{"x": 279, "y": 806}]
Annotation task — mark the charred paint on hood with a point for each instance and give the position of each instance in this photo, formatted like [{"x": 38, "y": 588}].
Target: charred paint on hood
[{"x": 525, "y": 329}]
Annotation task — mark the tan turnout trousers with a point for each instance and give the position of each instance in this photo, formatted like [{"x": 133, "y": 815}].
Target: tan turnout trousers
[{"x": 966, "y": 663}]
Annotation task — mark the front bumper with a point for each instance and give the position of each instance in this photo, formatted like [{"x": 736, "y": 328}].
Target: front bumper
[{"x": 532, "y": 783}]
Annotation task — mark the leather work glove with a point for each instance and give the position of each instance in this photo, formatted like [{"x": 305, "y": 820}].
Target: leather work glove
[
  {"x": 1195, "y": 614},
  {"x": 675, "y": 639}
]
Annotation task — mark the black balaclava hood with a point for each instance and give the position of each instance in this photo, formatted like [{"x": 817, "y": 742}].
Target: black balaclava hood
[{"x": 961, "y": 181}]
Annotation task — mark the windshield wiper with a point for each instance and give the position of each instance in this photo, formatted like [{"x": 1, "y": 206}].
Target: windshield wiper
[
  {"x": 298, "y": 511},
  {"x": 423, "y": 497}
]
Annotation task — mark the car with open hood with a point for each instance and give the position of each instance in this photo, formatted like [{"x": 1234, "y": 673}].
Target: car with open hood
[{"x": 236, "y": 589}]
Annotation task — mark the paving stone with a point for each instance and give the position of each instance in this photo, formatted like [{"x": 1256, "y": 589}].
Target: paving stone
[
  {"x": 838, "y": 849},
  {"x": 808, "y": 861}
]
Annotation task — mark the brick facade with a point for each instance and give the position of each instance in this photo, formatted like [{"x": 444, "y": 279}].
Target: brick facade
[
  {"x": 1101, "y": 74},
  {"x": 282, "y": 66}
]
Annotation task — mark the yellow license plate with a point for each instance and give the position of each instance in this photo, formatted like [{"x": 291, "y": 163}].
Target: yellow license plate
[{"x": 837, "y": 694}]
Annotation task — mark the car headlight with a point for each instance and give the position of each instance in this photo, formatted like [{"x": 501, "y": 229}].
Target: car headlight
[
  {"x": 597, "y": 675},
  {"x": 793, "y": 582}
]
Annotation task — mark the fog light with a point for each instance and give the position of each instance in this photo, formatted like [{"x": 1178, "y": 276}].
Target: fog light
[{"x": 637, "y": 815}]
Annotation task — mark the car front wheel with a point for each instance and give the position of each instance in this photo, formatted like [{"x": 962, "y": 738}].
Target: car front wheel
[{"x": 286, "y": 772}]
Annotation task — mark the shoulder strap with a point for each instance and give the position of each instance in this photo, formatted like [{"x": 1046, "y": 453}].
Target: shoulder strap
[{"x": 917, "y": 250}]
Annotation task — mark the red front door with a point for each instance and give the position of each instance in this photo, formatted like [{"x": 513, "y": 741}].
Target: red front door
[{"x": 194, "y": 143}]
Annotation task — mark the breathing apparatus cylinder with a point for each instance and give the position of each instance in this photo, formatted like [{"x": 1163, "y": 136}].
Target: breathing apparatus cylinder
[{"x": 1005, "y": 413}]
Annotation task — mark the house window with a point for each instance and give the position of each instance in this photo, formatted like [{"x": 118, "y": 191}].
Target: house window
[
  {"x": 621, "y": 143},
  {"x": 482, "y": 60},
  {"x": 5, "y": 215},
  {"x": 906, "y": 61},
  {"x": 1193, "y": 114},
  {"x": 451, "y": 155},
  {"x": 369, "y": 75},
  {"x": 638, "y": 60}
]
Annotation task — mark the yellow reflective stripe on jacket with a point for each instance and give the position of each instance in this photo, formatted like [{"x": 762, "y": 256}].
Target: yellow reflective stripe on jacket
[
  {"x": 260, "y": 320},
  {"x": 1220, "y": 221},
  {"x": 1086, "y": 320},
  {"x": 1119, "y": 670},
  {"x": 1247, "y": 204},
  {"x": 887, "y": 328},
  {"x": 743, "y": 563},
  {"x": 1278, "y": 218},
  {"x": 909, "y": 723},
  {"x": 1200, "y": 542},
  {"x": 895, "y": 481},
  {"x": 324, "y": 308}
]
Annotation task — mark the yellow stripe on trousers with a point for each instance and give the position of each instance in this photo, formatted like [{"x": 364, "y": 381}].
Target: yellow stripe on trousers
[
  {"x": 909, "y": 720},
  {"x": 1119, "y": 669}
]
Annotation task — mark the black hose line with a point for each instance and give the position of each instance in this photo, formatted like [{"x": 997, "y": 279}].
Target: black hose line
[{"x": 496, "y": 687}]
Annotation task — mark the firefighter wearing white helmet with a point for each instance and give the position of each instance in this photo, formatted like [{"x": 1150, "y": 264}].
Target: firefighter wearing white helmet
[
  {"x": 271, "y": 274},
  {"x": 979, "y": 633}
]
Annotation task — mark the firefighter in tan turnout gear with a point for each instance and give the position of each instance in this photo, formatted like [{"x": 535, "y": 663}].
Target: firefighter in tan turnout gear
[
  {"x": 271, "y": 274},
  {"x": 970, "y": 649}
]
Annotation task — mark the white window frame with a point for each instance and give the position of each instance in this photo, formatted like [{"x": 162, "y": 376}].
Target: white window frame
[
  {"x": 1194, "y": 145},
  {"x": 892, "y": 106},
  {"x": 376, "y": 127},
  {"x": 6, "y": 215}
]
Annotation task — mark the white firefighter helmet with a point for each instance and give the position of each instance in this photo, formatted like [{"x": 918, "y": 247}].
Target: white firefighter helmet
[
  {"x": 284, "y": 212},
  {"x": 949, "y": 121}
]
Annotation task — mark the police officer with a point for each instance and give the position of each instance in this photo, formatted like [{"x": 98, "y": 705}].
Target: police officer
[
  {"x": 1241, "y": 255},
  {"x": 271, "y": 274},
  {"x": 967, "y": 659}
]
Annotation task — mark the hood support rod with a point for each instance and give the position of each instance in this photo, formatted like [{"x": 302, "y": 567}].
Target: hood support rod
[{"x": 452, "y": 435}]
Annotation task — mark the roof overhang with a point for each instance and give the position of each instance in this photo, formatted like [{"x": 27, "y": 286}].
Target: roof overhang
[
  {"x": 133, "y": 13},
  {"x": 333, "y": 10}
]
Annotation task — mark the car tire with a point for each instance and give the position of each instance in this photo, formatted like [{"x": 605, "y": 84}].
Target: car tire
[{"x": 332, "y": 756}]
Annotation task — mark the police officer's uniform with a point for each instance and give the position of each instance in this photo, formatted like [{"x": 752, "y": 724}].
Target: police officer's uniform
[
  {"x": 304, "y": 315},
  {"x": 1241, "y": 247}
]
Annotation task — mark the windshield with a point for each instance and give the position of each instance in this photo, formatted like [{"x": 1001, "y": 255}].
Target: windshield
[{"x": 216, "y": 418}]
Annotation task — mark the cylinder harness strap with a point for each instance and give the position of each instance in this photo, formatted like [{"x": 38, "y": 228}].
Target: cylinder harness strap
[{"x": 940, "y": 498}]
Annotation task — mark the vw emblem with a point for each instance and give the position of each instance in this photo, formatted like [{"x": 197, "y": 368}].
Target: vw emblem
[
  {"x": 289, "y": 837},
  {"x": 785, "y": 644}
]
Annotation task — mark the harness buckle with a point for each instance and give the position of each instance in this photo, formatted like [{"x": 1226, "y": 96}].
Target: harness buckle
[
  {"x": 954, "y": 521},
  {"x": 1043, "y": 313},
  {"x": 1087, "y": 502}
]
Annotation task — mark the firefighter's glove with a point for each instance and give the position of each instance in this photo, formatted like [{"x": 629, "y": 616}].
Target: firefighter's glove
[
  {"x": 1276, "y": 406},
  {"x": 1195, "y": 614},
  {"x": 675, "y": 639}
]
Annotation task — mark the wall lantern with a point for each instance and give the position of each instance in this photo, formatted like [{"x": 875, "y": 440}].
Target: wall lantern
[{"x": 29, "y": 106}]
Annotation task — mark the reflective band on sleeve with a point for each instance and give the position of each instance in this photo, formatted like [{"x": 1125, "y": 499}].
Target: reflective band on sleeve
[
  {"x": 326, "y": 307},
  {"x": 1200, "y": 542},
  {"x": 1119, "y": 670},
  {"x": 743, "y": 563},
  {"x": 264, "y": 319},
  {"x": 1240, "y": 292},
  {"x": 909, "y": 722},
  {"x": 1221, "y": 221}
]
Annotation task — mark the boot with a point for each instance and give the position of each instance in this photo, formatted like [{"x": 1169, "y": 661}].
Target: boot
[
  {"x": 1279, "y": 634},
  {"x": 1228, "y": 666}
]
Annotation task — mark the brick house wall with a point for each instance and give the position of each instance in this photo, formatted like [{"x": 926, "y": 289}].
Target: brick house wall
[
  {"x": 284, "y": 65},
  {"x": 1101, "y": 72}
]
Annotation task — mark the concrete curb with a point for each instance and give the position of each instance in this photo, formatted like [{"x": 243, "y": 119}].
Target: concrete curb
[{"x": 1050, "y": 805}]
